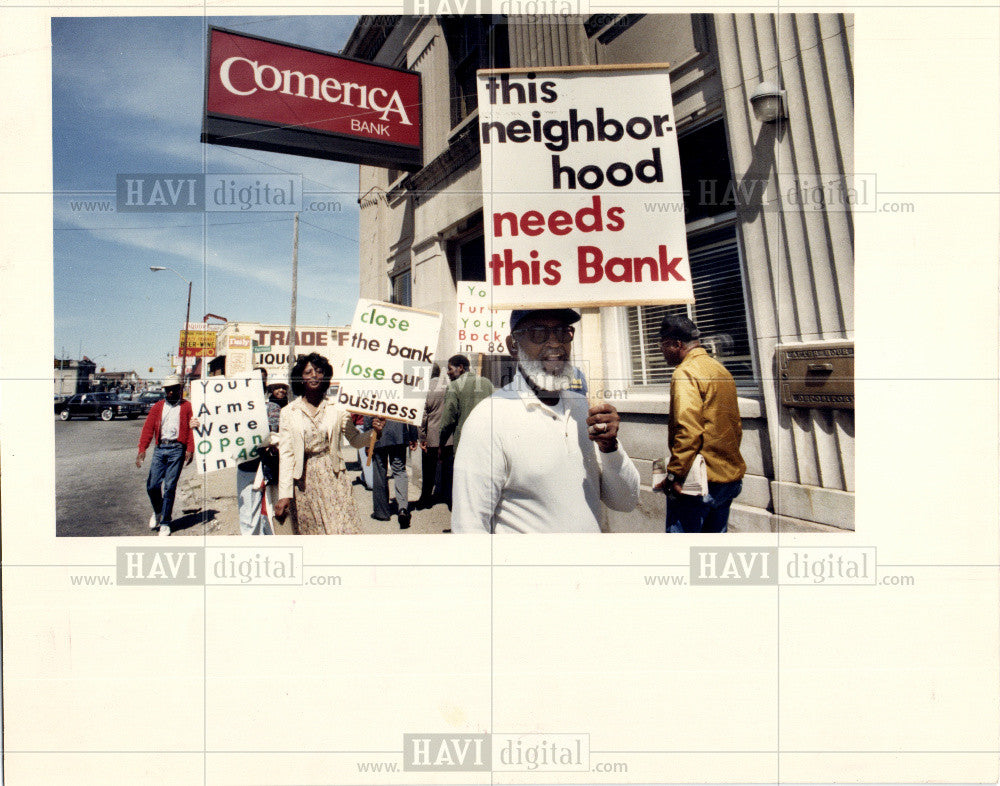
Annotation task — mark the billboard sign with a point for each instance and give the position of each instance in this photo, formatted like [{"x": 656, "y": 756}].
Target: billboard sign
[
  {"x": 267, "y": 95},
  {"x": 267, "y": 346},
  {"x": 197, "y": 343}
]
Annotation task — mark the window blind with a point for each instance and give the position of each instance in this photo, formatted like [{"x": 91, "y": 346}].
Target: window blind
[{"x": 719, "y": 311}]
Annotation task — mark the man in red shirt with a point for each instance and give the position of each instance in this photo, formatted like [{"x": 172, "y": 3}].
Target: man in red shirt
[{"x": 169, "y": 424}]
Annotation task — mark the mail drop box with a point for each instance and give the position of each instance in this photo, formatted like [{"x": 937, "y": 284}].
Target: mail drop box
[{"x": 817, "y": 375}]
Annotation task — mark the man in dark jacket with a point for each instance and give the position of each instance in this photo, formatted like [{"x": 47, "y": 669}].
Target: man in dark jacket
[
  {"x": 438, "y": 457},
  {"x": 390, "y": 451}
]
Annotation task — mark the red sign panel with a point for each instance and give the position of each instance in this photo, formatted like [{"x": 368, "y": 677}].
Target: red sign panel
[{"x": 271, "y": 96}]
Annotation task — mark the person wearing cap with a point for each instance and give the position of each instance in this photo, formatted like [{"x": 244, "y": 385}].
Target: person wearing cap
[
  {"x": 169, "y": 424},
  {"x": 465, "y": 391},
  {"x": 277, "y": 398},
  {"x": 704, "y": 420},
  {"x": 535, "y": 457}
]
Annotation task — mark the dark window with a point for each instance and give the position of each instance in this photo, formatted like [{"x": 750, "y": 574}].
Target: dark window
[
  {"x": 706, "y": 174},
  {"x": 471, "y": 259},
  {"x": 401, "y": 292},
  {"x": 474, "y": 42}
]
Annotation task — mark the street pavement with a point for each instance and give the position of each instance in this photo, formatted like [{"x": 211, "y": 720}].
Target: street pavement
[
  {"x": 214, "y": 494},
  {"x": 100, "y": 492}
]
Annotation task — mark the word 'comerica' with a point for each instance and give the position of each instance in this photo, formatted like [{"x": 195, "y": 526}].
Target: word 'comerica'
[{"x": 270, "y": 79}]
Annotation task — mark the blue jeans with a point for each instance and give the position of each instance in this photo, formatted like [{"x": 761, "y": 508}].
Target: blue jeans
[
  {"x": 686, "y": 513},
  {"x": 166, "y": 469}
]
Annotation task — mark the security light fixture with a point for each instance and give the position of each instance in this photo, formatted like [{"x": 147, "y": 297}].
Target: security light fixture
[{"x": 768, "y": 102}]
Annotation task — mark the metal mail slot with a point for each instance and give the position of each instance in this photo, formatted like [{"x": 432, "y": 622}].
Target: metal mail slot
[{"x": 818, "y": 375}]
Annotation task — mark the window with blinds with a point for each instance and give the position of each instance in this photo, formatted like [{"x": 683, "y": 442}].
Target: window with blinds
[
  {"x": 402, "y": 294},
  {"x": 719, "y": 312}
]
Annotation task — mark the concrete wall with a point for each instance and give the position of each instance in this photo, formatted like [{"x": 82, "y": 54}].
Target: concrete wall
[{"x": 799, "y": 264}]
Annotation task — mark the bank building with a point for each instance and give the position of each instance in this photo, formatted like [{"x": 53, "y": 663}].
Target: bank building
[{"x": 763, "y": 106}]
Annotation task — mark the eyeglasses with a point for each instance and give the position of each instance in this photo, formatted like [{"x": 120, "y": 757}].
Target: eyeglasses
[{"x": 540, "y": 334}]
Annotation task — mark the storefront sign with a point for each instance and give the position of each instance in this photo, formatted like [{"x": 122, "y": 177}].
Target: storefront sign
[
  {"x": 232, "y": 420},
  {"x": 271, "y": 343},
  {"x": 239, "y": 355},
  {"x": 387, "y": 366},
  {"x": 199, "y": 340},
  {"x": 267, "y": 95},
  {"x": 480, "y": 329},
  {"x": 583, "y": 203},
  {"x": 189, "y": 364}
]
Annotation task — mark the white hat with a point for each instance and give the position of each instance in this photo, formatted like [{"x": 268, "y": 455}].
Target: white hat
[
  {"x": 171, "y": 381},
  {"x": 278, "y": 380}
]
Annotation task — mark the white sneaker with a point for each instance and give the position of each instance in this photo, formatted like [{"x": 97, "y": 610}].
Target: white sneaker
[
  {"x": 164, "y": 530},
  {"x": 154, "y": 521}
]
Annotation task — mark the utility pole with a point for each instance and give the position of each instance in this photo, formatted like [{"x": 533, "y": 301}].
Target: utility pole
[
  {"x": 187, "y": 319},
  {"x": 295, "y": 288}
]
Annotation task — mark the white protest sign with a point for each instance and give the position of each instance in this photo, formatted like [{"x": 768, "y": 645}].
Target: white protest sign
[
  {"x": 232, "y": 420},
  {"x": 582, "y": 195},
  {"x": 479, "y": 328},
  {"x": 388, "y": 360}
]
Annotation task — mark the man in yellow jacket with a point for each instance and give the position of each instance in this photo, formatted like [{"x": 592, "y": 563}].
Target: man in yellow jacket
[{"x": 705, "y": 421}]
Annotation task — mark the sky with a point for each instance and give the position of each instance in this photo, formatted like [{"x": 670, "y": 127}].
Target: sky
[{"x": 127, "y": 97}]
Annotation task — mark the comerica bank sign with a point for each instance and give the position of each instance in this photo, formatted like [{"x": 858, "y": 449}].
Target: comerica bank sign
[{"x": 267, "y": 95}]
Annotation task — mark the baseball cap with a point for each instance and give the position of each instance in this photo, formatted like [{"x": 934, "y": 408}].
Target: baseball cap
[{"x": 567, "y": 315}]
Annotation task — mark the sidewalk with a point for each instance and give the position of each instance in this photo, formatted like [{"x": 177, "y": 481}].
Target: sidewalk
[{"x": 206, "y": 505}]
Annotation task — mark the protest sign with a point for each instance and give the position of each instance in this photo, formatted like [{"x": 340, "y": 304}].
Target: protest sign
[
  {"x": 232, "y": 420},
  {"x": 480, "y": 329},
  {"x": 387, "y": 366},
  {"x": 582, "y": 195}
]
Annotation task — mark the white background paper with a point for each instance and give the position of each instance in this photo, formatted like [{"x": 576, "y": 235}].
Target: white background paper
[{"x": 282, "y": 685}]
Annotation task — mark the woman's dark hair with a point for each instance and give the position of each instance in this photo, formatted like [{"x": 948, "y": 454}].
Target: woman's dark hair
[{"x": 319, "y": 363}]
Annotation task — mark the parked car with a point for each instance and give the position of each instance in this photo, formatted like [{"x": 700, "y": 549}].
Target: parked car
[
  {"x": 148, "y": 398},
  {"x": 105, "y": 406}
]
